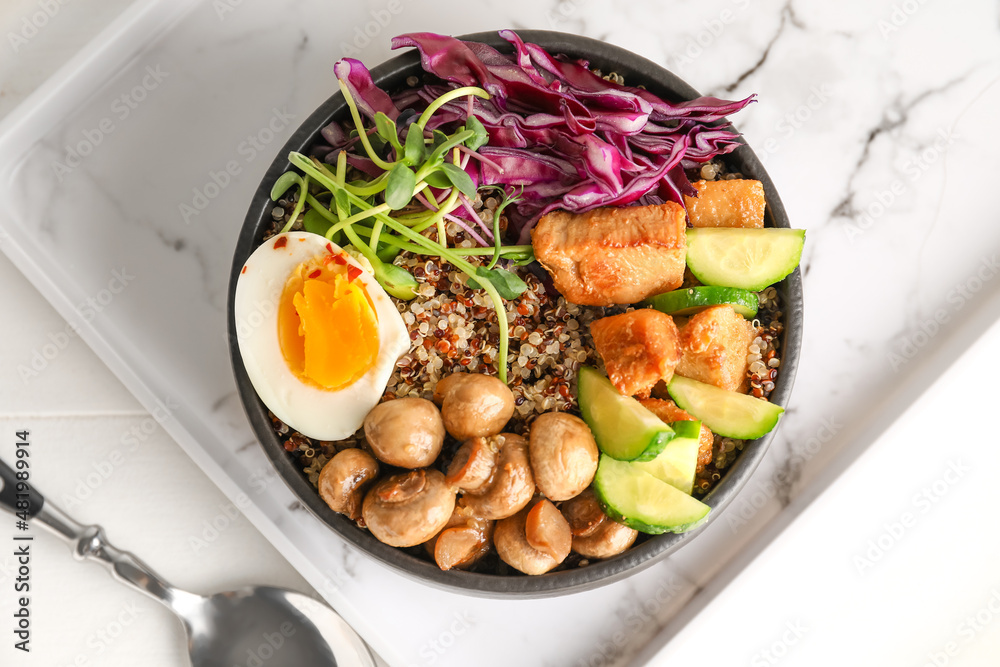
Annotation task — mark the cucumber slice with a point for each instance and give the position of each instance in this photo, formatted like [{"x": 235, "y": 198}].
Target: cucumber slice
[
  {"x": 728, "y": 413},
  {"x": 623, "y": 429},
  {"x": 747, "y": 258},
  {"x": 694, "y": 299},
  {"x": 635, "y": 498},
  {"x": 677, "y": 463}
]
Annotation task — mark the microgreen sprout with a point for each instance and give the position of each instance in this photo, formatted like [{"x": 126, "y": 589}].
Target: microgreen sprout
[{"x": 410, "y": 166}]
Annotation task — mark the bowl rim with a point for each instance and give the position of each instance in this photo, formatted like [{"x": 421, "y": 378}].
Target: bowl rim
[{"x": 392, "y": 73}]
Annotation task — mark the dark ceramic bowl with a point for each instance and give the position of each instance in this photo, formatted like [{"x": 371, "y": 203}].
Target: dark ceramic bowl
[{"x": 392, "y": 75}]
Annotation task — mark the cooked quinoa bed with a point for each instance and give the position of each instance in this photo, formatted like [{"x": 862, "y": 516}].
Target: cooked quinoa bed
[{"x": 454, "y": 328}]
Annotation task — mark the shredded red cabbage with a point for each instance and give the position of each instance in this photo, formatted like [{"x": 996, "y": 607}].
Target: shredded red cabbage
[{"x": 559, "y": 134}]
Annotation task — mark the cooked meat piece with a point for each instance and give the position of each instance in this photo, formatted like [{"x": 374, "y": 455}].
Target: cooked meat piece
[
  {"x": 735, "y": 203},
  {"x": 613, "y": 255},
  {"x": 714, "y": 348},
  {"x": 669, "y": 412},
  {"x": 639, "y": 349}
]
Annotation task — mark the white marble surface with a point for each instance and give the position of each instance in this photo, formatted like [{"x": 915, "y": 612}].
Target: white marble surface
[
  {"x": 898, "y": 276},
  {"x": 894, "y": 565}
]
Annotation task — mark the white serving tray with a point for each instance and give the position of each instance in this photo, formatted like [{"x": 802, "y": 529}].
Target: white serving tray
[{"x": 179, "y": 106}]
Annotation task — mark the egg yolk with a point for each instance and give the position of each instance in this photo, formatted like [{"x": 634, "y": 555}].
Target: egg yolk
[{"x": 327, "y": 328}]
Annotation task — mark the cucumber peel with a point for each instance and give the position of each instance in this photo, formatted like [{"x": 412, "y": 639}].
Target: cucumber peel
[
  {"x": 622, "y": 427},
  {"x": 633, "y": 497},
  {"x": 728, "y": 413},
  {"x": 748, "y": 258},
  {"x": 695, "y": 299}
]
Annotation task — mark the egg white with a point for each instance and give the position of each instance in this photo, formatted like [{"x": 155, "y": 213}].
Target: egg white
[{"x": 314, "y": 412}]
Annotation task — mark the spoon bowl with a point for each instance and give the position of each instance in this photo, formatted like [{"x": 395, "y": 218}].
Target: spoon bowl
[{"x": 249, "y": 627}]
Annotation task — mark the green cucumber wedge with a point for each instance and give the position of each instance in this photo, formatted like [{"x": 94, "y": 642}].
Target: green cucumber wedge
[
  {"x": 747, "y": 258},
  {"x": 728, "y": 413},
  {"x": 623, "y": 429},
  {"x": 695, "y": 299},
  {"x": 635, "y": 498},
  {"x": 677, "y": 463}
]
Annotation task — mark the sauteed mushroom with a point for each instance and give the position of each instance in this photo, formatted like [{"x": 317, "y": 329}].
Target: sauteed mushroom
[
  {"x": 408, "y": 509},
  {"x": 563, "y": 455},
  {"x": 610, "y": 539},
  {"x": 472, "y": 466},
  {"x": 343, "y": 480},
  {"x": 406, "y": 432},
  {"x": 473, "y": 405},
  {"x": 595, "y": 535},
  {"x": 511, "y": 486},
  {"x": 463, "y": 541},
  {"x": 533, "y": 541},
  {"x": 584, "y": 514}
]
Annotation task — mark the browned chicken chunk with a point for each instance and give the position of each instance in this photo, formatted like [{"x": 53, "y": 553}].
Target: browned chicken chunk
[
  {"x": 714, "y": 348},
  {"x": 669, "y": 412},
  {"x": 613, "y": 255},
  {"x": 734, "y": 203},
  {"x": 639, "y": 349}
]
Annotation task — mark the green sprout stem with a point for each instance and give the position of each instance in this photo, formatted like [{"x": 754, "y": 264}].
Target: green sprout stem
[
  {"x": 362, "y": 134},
  {"x": 448, "y": 97},
  {"x": 511, "y": 251},
  {"x": 459, "y": 262},
  {"x": 303, "y": 184},
  {"x": 507, "y": 201}
]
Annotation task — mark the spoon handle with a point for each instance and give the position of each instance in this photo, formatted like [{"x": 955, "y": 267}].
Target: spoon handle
[{"x": 87, "y": 542}]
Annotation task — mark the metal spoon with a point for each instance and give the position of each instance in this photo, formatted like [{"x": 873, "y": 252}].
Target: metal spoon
[{"x": 252, "y": 626}]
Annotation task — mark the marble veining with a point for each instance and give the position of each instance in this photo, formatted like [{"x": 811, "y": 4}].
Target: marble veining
[{"x": 861, "y": 117}]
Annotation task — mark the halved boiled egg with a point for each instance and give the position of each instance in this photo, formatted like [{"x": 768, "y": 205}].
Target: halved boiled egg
[{"x": 318, "y": 335}]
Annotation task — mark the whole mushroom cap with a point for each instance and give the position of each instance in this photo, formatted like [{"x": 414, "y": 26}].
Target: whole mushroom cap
[
  {"x": 473, "y": 405},
  {"x": 563, "y": 455},
  {"x": 405, "y": 432},
  {"x": 410, "y": 508}
]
